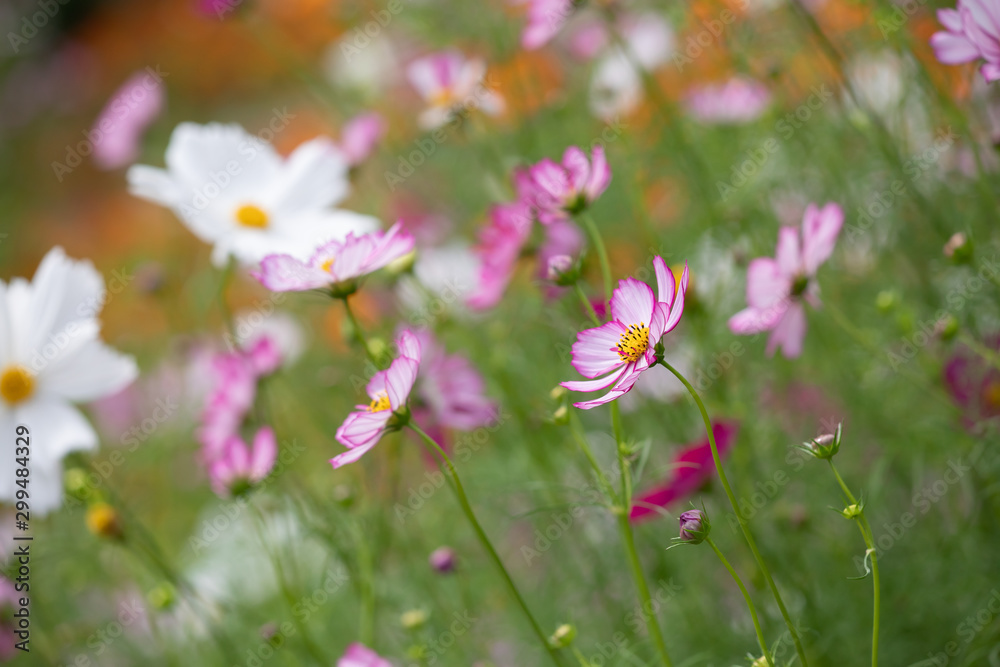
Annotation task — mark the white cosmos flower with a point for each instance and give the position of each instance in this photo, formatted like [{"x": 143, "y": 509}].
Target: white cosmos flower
[
  {"x": 51, "y": 357},
  {"x": 234, "y": 191}
]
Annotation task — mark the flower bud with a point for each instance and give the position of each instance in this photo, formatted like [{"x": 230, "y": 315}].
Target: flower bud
[
  {"x": 852, "y": 511},
  {"x": 443, "y": 560},
  {"x": 947, "y": 327},
  {"x": 563, "y": 270},
  {"x": 557, "y": 392},
  {"x": 162, "y": 596},
  {"x": 75, "y": 481},
  {"x": 402, "y": 264},
  {"x": 760, "y": 662},
  {"x": 824, "y": 446},
  {"x": 102, "y": 520},
  {"x": 886, "y": 301},
  {"x": 959, "y": 249},
  {"x": 694, "y": 526},
  {"x": 413, "y": 619},
  {"x": 563, "y": 636},
  {"x": 561, "y": 415},
  {"x": 343, "y": 495}
]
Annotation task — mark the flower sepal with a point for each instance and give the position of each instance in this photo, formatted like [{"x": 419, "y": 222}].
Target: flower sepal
[
  {"x": 825, "y": 446},
  {"x": 344, "y": 288}
]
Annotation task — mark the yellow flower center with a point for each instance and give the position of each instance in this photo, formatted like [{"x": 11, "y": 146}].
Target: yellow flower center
[
  {"x": 992, "y": 394},
  {"x": 442, "y": 98},
  {"x": 380, "y": 403},
  {"x": 327, "y": 264},
  {"x": 633, "y": 343},
  {"x": 16, "y": 384},
  {"x": 249, "y": 215}
]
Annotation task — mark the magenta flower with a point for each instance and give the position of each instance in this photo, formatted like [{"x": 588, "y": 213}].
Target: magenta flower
[
  {"x": 973, "y": 385},
  {"x": 776, "y": 287},
  {"x": 121, "y": 124},
  {"x": 624, "y": 347},
  {"x": 360, "y": 136},
  {"x": 500, "y": 245},
  {"x": 443, "y": 559},
  {"x": 739, "y": 100},
  {"x": 388, "y": 390},
  {"x": 239, "y": 467},
  {"x": 451, "y": 389},
  {"x": 545, "y": 19},
  {"x": 335, "y": 262},
  {"x": 359, "y": 655},
  {"x": 559, "y": 190},
  {"x": 691, "y": 468},
  {"x": 972, "y": 32},
  {"x": 449, "y": 83}
]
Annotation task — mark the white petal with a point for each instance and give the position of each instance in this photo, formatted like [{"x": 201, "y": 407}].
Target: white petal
[
  {"x": 57, "y": 428},
  {"x": 313, "y": 177},
  {"x": 199, "y": 155},
  {"x": 91, "y": 371}
]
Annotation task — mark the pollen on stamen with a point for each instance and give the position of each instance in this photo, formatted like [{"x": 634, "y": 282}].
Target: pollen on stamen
[
  {"x": 327, "y": 264},
  {"x": 380, "y": 403},
  {"x": 633, "y": 343}
]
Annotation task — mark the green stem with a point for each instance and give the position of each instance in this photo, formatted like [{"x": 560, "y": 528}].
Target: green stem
[
  {"x": 628, "y": 537},
  {"x": 463, "y": 500},
  {"x": 580, "y": 657},
  {"x": 588, "y": 306},
  {"x": 746, "y": 596},
  {"x": 602, "y": 252},
  {"x": 359, "y": 335},
  {"x": 869, "y": 538},
  {"x": 581, "y": 440},
  {"x": 986, "y": 353},
  {"x": 739, "y": 515},
  {"x": 366, "y": 629}
]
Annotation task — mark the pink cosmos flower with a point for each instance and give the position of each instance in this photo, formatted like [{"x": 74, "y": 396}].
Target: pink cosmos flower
[
  {"x": 388, "y": 390},
  {"x": 360, "y": 136},
  {"x": 972, "y": 32},
  {"x": 973, "y": 385},
  {"x": 624, "y": 347},
  {"x": 776, "y": 287},
  {"x": 588, "y": 40},
  {"x": 691, "y": 468},
  {"x": 449, "y": 83},
  {"x": 335, "y": 262},
  {"x": 359, "y": 655},
  {"x": 545, "y": 18},
  {"x": 559, "y": 190},
  {"x": 238, "y": 467},
  {"x": 500, "y": 245},
  {"x": 739, "y": 100},
  {"x": 124, "y": 119},
  {"x": 451, "y": 389}
]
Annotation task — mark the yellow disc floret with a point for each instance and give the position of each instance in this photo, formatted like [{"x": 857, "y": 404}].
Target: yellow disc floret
[
  {"x": 380, "y": 403},
  {"x": 16, "y": 384},
  {"x": 249, "y": 215},
  {"x": 633, "y": 343}
]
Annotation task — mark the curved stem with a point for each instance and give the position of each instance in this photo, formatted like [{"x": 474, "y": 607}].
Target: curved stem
[
  {"x": 739, "y": 515},
  {"x": 602, "y": 252},
  {"x": 628, "y": 537},
  {"x": 746, "y": 596},
  {"x": 588, "y": 306},
  {"x": 581, "y": 440},
  {"x": 463, "y": 500},
  {"x": 869, "y": 538},
  {"x": 359, "y": 335}
]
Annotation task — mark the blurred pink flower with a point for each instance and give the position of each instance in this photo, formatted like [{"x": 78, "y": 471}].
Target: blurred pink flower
[
  {"x": 239, "y": 467},
  {"x": 500, "y": 245},
  {"x": 974, "y": 386},
  {"x": 972, "y": 32},
  {"x": 739, "y": 100},
  {"x": 451, "y": 389},
  {"x": 692, "y": 467},
  {"x": 562, "y": 239},
  {"x": 360, "y": 135},
  {"x": 589, "y": 40},
  {"x": 559, "y": 190},
  {"x": 358, "y": 655},
  {"x": 335, "y": 262},
  {"x": 623, "y": 347},
  {"x": 545, "y": 19},
  {"x": 388, "y": 390},
  {"x": 450, "y": 83},
  {"x": 776, "y": 287},
  {"x": 124, "y": 119}
]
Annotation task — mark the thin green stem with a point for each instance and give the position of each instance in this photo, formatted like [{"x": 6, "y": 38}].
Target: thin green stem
[
  {"x": 739, "y": 515},
  {"x": 359, "y": 334},
  {"x": 366, "y": 629},
  {"x": 580, "y": 658},
  {"x": 628, "y": 537},
  {"x": 588, "y": 306},
  {"x": 746, "y": 596},
  {"x": 602, "y": 252},
  {"x": 869, "y": 538},
  {"x": 581, "y": 441},
  {"x": 986, "y": 353},
  {"x": 463, "y": 500}
]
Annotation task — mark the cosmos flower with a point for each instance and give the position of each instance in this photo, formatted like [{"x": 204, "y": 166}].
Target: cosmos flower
[
  {"x": 975, "y": 386},
  {"x": 545, "y": 18},
  {"x": 239, "y": 467},
  {"x": 777, "y": 287},
  {"x": 450, "y": 388},
  {"x": 621, "y": 349},
  {"x": 124, "y": 119},
  {"x": 972, "y": 32},
  {"x": 738, "y": 100},
  {"x": 51, "y": 356},
  {"x": 360, "y": 136},
  {"x": 389, "y": 390},
  {"x": 450, "y": 84},
  {"x": 335, "y": 262},
  {"x": 358, "y": 655},
  {"x": 234, "y": 191},
  {"x": 559, "y": 190},
  {"x": 499, "y": 248},
  {"x": 690, "y": 469}
]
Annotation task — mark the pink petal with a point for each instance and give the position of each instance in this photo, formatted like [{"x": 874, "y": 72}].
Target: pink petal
[
  {"x": 820, "y": 228},
  {"x": 666, "y": 285},
  {"x": 577, "y": 168},
  {"x": 600, "y": 174},
  {"x": 360, "y": 136},
  {"x": 950, "y": 19},
  {"x": 678, "y": 308},
  {"x": 632, "y": 302},
  {"x": 594, "y": 385},
  {"x": 789, "y": 332},
  {"x": 789, "y": 254},
  {"x": 122, "y": 122},
  {"x": 265, "y": 453},
  {"x": 594, "y": 351},
  {"x": 352, "y": 455},
  {"x": 990, "y": 71},
  {"x": 409, "y": 345},
  {"x": 767, "y": 284},
  {"x": 399, "y": 381},
  {"x": 284, "y": 273},
  {"x": 551, "y": 179},
  {"x": 755, "y": 320},
  {"x": 624, "y": 385},
  {"x": 362, "y": 429},
  {"x": 952, "y": 49}
]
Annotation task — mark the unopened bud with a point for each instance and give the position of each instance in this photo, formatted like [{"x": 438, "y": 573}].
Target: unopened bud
[
  {"x": 443, "y": 559},
  {"x": 343, "y": 495},
  {"x": 694, "y": 526},
  {"x": 413, "y": 619},
  {"x": 947, "y": 327},
  {"x": 102, "y": 520},
  {"x": 959, "y": 248},
  {"x": 563, "y": 270},
  {"x": 557, "y": 392},
  {"x": 852, "y": 511},
  {"x": 402, "y": 264},
  {"x": 886, "y": 301},
  {"x": 561, "y": 415},
  {"x": 824, "y": 446},
  {"x": 563, "y": 636},
  {"x": 75, "y": 481},
  {"x": 162, "y": 596}
]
